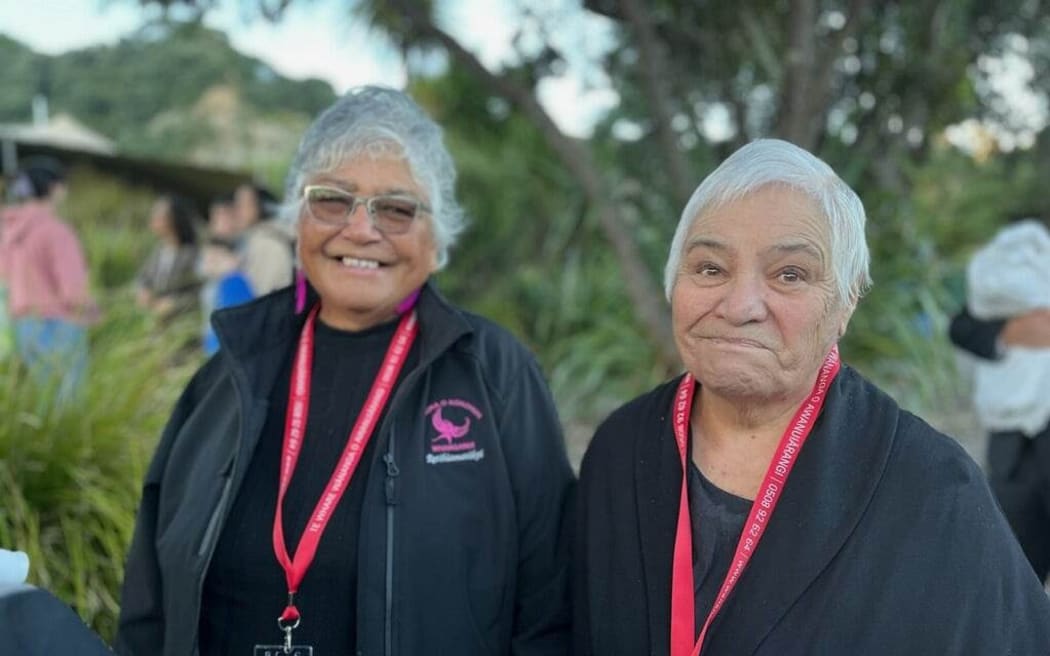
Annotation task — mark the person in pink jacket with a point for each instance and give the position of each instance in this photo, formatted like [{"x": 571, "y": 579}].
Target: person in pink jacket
[{"x": 43, "y": 266}]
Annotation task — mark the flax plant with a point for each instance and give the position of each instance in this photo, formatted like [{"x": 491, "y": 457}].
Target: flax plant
[{"x": 70, "y": 474}]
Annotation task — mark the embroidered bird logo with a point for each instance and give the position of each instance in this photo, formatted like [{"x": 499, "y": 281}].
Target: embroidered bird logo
[{"x": 446, "y": 429}]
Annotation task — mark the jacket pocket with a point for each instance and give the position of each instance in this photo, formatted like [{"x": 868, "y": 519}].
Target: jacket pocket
[{"x": 214, "y": 521}]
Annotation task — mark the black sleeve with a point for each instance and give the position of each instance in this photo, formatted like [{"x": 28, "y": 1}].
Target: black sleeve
[
  {"x": 978, "y": 336},
  {"x": 998, "y": 605},
  {"x": 35, "y": 622},
  {"x": 542, "y": 481},
  {"x": 611, "y": 594},
  {"x": 140, "y": 626}
]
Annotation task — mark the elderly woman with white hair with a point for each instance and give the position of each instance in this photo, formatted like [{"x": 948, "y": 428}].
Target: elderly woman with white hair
[
  {"x": 771, "y": 501},
  {"x": 363, "y": 468}
]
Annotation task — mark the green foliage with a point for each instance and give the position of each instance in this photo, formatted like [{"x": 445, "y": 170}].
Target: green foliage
[
  {"x": 920, "y": 247},
  {"x": 18, "y": 79},
  {"x": 148, "y": 93},
  {"x": 533, "y": 260},
  {"x": 111, "y": 219},
  {"x": 70, "y": 475}
]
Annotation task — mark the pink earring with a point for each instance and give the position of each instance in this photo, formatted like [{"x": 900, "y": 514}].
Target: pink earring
[
  {"x": 408, "y": 303},
  {"x": 300, "y": 291}
]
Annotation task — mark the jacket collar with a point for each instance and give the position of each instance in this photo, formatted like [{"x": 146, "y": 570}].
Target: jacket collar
[
  {"x": 831, "y": 485},
  {"x": 256, "y": 336}
]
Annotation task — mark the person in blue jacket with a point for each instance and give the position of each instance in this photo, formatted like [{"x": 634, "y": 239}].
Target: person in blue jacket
[
  {"x": 363, "y": 467},
  {"x": 229, "y": 286}
]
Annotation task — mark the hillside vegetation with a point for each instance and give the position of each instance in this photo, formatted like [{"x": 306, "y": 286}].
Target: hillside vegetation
[{"x": 170, "y": 90}]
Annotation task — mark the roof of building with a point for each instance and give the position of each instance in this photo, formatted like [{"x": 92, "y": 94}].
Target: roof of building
[{"x": 63, "y": 131}]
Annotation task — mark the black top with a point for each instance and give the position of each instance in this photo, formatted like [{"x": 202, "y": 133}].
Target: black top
[
  {"x": 245, "y": 589},
  {"x": 718, "y": 518}
]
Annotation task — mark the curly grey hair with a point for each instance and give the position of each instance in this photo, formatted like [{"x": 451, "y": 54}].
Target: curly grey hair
[{"x": 379, "y": 121}]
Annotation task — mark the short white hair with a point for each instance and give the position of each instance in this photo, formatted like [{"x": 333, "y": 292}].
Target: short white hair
[{"x": 765, "y": 162}]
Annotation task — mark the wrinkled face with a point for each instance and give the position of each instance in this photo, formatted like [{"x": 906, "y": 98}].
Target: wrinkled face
[
  {"x": 754, "y": 309},
  {"x": 360, "y": 273}
]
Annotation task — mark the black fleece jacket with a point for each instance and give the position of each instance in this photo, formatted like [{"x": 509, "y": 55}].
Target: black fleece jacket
[{"x": 461, "y": 544}]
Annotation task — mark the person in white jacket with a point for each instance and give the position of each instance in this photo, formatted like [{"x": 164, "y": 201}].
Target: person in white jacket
[{"x": 1008, "y": 288}]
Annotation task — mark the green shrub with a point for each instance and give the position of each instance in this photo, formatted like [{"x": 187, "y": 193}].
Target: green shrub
[
  {"x": 111, "y": 218},
  {"x": 70, "y": 476}
]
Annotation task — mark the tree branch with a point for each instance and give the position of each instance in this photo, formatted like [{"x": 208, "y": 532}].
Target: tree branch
[
  {"x": 807, "y": 90},
  {"x": 646, "y": 296},
  {"x": 795, "y": 113},
  {"x": 655, "y": 71}
]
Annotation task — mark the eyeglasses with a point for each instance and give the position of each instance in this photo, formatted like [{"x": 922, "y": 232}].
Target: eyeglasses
[{"x": 390, "y": 214}]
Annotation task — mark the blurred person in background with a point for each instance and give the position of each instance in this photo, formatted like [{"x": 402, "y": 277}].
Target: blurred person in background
[
  {"x": 222, "y": 225},
  {"x": 168, "y": 284},
  {"x": 363, "y": 468},
  {"x": 770, "y": 500},
  {"x": 267, "y": 247},
  {"x": 221, "y": 264},
  {"x": 1006, "y": 324},
  {"x": 222, "y": 218},
  {"x": 43, "y": 265}
]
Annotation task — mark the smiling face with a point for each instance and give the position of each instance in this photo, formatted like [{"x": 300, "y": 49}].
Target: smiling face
[
  {"x": 360, "y": 273},
  {"x": 754, "y": 308}
]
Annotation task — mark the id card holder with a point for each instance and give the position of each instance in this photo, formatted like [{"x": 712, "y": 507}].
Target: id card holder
[{"x": 279, "y": 650}]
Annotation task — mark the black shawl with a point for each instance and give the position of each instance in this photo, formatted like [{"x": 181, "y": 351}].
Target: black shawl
[{"x": 886, "y": 541}]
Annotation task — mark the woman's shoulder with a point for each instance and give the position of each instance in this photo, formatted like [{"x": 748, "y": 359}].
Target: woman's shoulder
[
  {"x": 649, "y": 407},
  {"x": 644, "y": 417},
  {"x": 495, "y": 347},
  {"x": 212, "y": 374},
  {"x": 918, "y": 451},
  {"x": 937, "y": 460}
]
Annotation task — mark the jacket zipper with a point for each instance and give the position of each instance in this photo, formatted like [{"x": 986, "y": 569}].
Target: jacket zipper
[
  {"x": 392, "y": 472},
  {"x": 391, "y": 493}
]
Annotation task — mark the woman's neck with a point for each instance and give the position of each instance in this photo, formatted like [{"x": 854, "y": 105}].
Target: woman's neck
[{"x": 733, "y": 443}]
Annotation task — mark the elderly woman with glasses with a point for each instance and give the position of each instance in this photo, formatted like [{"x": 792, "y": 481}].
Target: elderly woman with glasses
[
  {"x": 363, "y": 468},
  {"x": 771, "y": 501}
]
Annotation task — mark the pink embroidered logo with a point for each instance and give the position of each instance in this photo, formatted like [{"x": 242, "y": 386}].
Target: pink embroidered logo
[{"x": 452, "y": 420}]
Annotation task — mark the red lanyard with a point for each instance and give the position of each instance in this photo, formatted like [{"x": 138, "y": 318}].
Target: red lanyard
[
  {"x": 683, "y": 621},
  {"x": 295, "y": 424}
]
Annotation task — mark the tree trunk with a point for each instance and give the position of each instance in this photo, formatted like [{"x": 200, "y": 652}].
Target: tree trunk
[
  {"x": 795, "y": 118},
  {"x": 809, "y": 73},
  {"x": 645, "y": 294},
  {"x": 655, "y": 72}
]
